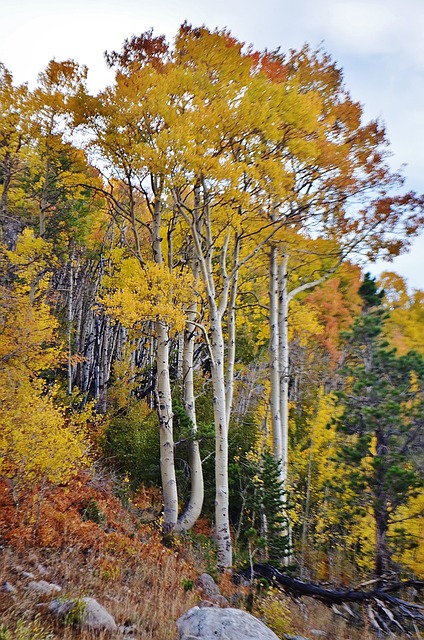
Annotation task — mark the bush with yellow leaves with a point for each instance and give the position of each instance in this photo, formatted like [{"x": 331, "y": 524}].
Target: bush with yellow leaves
[{"x": 274, "y": 612}]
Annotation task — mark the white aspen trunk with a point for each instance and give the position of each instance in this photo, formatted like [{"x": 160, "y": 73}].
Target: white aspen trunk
[
  {"x": 231, "y": 341},
  {"x": 284, "y": 297},
  {"x": 222, "y": 526},
  {"x": 103, "y": 366},
  {"x": 180, "y": 356},
  {"x": 283, "y": 315},
  {"x": 274, "y": 359},
  {"x": 88, "y": 344},
  {"x": 283, "y": 330},
  {"x": 97, "y": 359},
  {"x": 166, "y": 439},
  {"x": 203, "y": 247},
  {"x": 194, "y": 507},
  {"x": 70, "y": 308},
  {"x": 164, "y": 398},
  {"x": 279, "y": 365}
]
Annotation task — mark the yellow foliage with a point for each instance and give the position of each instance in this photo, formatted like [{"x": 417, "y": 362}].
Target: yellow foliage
[
  {"x": 134, "y": 294},
  {"x": 405, "y": 325},
  {"x": 34, "y": 261},
  {"x": 322, "y": 444},
  {"x": 303, "y": 322},
  {"x": 36, "y": 439},
  {"x": 362, "y": 537},
  {"x": 411, "y": 517},
  {"x": 27, "y": 333},
  {"x": 274, "y": 612}
]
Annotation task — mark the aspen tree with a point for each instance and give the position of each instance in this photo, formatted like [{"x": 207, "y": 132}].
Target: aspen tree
[{"x": 341, "y": 190}]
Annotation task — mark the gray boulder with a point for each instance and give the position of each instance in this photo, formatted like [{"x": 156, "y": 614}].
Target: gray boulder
[
  {"x": 222, "y": 624},
  {"x": 85, "y": 612},
  {"x": 8, "y": 587},
  {"x": 207, "y": 585},
  {"x": 44, "y": 588},
  {"x": 209, "y": 591}
]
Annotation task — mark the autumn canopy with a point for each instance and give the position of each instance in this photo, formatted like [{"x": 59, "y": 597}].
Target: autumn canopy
[{"x": 182, "y": 298}]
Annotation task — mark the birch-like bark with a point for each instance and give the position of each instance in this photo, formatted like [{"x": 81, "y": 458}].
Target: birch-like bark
[
  {"x": 103, "y": 379},
  {"x": 180, "y": 355},
  {"x": 70, "y": 318},
  {"x": 278, "y": 352},
  {"x": 283, "y": 317},
  {"x": 166, "y": 438},
  {"x": 203, "y": 246},
  {"x": 163, "y": 396},
  {"x": 274, "y": 359},
  {"x": 8, "y": 226},
  {"x": 222, "y": 526},
  {"x": 231, "y": 340},
  {"x": 194, "y": 508},
  {"x": 222, "y": 516},
  {"x": 279, "y": 273}
]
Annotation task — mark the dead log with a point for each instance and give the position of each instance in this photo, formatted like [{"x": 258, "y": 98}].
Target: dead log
[{"x": 386, "y": 613}]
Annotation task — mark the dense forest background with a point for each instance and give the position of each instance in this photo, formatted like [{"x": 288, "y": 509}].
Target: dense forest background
[{"x": 181, "y": 303}]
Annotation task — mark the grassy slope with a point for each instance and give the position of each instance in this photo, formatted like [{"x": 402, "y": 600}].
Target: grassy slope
[{"x": 83, "y": 539}]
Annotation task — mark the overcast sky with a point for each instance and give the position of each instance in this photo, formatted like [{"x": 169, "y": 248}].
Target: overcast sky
[{"x": 379, "y": 44}]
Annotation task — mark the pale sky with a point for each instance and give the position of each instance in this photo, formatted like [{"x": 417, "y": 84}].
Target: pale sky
[{"x": 379, "y": 44}]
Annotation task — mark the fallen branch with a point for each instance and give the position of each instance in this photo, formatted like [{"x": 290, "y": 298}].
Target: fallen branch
[{"x": 386, "y": 613}]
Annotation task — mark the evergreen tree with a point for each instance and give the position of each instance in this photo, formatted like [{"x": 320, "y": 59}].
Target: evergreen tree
[
  {"x": 265, "y": 508},
  {"x": 382, "y": 422}
]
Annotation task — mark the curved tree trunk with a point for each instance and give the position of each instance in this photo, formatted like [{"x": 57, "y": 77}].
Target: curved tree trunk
[
  {"x": 194, "y": 507},
  {"x": 163, "y": 393}
]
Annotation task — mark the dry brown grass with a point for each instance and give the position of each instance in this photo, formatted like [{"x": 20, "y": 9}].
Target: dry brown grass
[
  {"x": 142, "y": 589},
  {"x": 126, "y": 568},
  {"x": 118, "y": 561}
]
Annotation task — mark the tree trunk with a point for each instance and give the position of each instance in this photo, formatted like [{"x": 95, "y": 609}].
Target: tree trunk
[
  {"x": 194, "y": 507},
  {"x": 274, "y": 359},
  {"x": 204, "y": 248},
  {"x": 9, "y": 225},
  {"x": 70, "y": 317},
  {"x": 231, "y": 341},
  {"x": 283, "y": 331},
  {"x": 222, "y": 527},
  {"x": 381, "y": 511},
  {"x": 166, "y": 438},
  {"x": 163, "y": 393}
]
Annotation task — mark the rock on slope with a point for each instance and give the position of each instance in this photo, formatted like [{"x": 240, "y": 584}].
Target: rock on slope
[{"x": 222, "y": 624}]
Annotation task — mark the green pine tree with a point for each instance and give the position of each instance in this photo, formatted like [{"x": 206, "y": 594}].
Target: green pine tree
[
  {"x": 382, "y": 422},
  {"x": 266, "y": 524}
]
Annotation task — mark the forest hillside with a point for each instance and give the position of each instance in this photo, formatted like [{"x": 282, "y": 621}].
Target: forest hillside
[{"x": 196, "y": 372}]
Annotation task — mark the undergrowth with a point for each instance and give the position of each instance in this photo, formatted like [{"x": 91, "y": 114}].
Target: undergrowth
[{"x": 82, "y": 538}]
